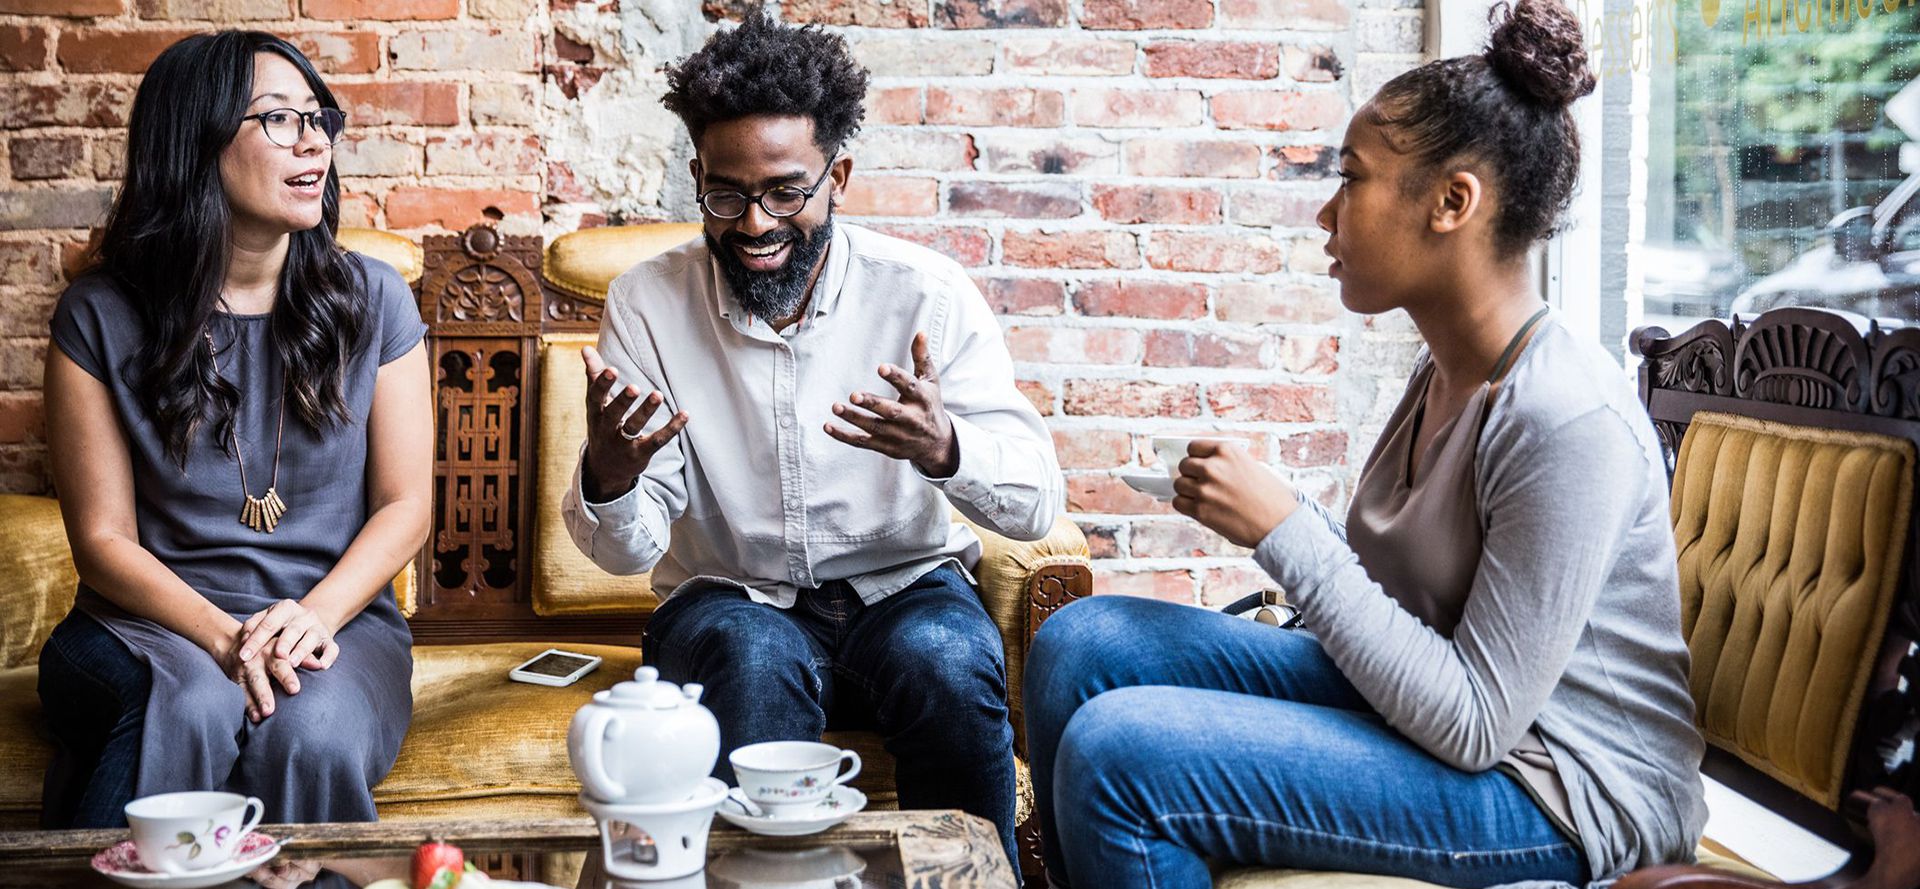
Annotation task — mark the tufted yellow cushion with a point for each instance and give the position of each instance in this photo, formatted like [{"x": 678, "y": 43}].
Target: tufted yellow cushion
[
  {"x": 585, "y": 262},
  {"x": 39, "y": 576},
  {"x": 1790, "y": 541},
  {"x": 394, "y": 250},
  {"x": 564, "y": 580}
]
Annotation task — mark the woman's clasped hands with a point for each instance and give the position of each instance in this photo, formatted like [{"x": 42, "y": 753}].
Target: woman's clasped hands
[
  {"x": 272, "y": 646},
  {"x": 1224, "y": 487}
]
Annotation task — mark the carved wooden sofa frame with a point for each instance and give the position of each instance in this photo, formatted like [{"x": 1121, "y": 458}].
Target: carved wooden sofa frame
[{"x": 1805, "y": 368}]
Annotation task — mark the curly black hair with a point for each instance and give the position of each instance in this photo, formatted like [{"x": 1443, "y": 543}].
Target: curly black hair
[
  {"x": 1505, "y": 110},
  {"x": 764, "y": 67}
]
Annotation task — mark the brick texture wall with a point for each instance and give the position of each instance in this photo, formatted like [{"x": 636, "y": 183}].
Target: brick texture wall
[{"x": 1132, "y": 182}]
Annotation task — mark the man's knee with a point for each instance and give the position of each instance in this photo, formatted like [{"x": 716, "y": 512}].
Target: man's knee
[
  {"x": 750, "y": 640},
  {"x": 950, "y": 653}
]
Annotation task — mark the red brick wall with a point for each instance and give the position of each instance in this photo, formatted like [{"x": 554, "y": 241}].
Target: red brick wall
[{"x": 1133, "y": 183}]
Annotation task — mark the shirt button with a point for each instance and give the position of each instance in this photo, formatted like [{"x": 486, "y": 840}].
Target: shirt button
[
  {"x": 786, "y": 422},
  {"x": 794, "y": 504}
]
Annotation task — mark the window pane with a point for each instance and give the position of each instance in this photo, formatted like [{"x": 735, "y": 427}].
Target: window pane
[{"x": 1766, "y": 125}]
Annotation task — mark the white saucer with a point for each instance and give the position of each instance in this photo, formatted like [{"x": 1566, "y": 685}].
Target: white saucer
[
  {"x": 121, "y": 864},
  {"x": 1153, "y": 484},
  {"x": 838, "y": 805}
]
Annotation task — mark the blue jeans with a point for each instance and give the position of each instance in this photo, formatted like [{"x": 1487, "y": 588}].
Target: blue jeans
[
  {"x": 94, "y": 693},
  {"x": 924, "y": 667},
  {"x": 1163, "y": 735}
]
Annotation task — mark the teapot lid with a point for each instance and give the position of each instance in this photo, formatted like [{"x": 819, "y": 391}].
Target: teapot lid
[{"x": 648, "y": 690}]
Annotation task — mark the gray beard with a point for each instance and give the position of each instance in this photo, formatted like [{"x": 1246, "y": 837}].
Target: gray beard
[{"x": 779, "y": 293}]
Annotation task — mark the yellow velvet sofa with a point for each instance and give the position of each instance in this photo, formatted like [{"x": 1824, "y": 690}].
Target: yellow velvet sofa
[{"x": 481, "y": 746}]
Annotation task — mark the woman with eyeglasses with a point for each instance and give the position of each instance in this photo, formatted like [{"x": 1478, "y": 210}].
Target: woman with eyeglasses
[{"x": 239, "y": 431}]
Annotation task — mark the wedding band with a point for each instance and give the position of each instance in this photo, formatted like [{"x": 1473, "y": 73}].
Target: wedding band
[{"x": 630, "y": 436}]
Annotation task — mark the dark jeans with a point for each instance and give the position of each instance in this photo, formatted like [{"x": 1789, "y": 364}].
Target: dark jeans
[
  {"x": 94, "y": 692},
  {"x": 1163, "y": 735},
  {"x": 923, "y": 666}
]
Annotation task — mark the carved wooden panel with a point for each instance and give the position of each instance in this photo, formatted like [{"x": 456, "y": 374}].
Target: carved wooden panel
[
  {"x": 479, "y": 452},
  {"x": 486, "y": 305},
  {"x": 482, "y": 300}
]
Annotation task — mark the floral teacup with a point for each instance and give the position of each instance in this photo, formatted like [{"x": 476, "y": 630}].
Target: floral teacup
[
  {"x": 177, "y": 833},
  {"x": 786, "y": 778}
]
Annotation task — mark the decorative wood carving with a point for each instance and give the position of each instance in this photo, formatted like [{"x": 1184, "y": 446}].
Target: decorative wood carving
[
  {"x": 482, "y": 300},
  {"x": 567, "y": 310},
  {"x": 477, "y": 466},
  {"x": 1052, "y": 587}
]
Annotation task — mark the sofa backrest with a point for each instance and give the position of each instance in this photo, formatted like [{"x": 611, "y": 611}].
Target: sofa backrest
[{"x": 1791, "y": 439}]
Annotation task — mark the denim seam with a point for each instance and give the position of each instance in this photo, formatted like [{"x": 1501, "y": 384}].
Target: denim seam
[
  {"x": 1362, "y": 842},
  {"x": 1146, "y": 859}
]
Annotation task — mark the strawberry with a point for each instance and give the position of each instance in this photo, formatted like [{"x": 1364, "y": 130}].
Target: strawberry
[{"x": 437, "y": 865}]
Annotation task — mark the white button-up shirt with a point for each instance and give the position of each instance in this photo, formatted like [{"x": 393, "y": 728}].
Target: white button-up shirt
[{"x": 753, "y": 492}]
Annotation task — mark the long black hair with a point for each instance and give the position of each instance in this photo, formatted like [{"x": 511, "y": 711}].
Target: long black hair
[{"x": 166, "y": 245}]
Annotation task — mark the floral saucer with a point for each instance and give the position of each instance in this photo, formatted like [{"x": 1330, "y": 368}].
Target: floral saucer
[
  {"x": 838, "y": 805},
  {"x": 121, "y": 864}
]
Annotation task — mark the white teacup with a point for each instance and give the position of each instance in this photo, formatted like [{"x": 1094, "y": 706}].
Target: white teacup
[
  {"x": 786, "y": 778},
  {"x": 178, "y": 833},
  {"x": 1171, "y": 449}
]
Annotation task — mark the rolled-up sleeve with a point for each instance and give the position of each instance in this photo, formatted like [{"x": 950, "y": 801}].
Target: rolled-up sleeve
[{"x": 1008, "y": 478}]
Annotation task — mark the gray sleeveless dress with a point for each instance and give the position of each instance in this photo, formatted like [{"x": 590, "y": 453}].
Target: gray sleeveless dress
[{"x": 319, "y": 755}]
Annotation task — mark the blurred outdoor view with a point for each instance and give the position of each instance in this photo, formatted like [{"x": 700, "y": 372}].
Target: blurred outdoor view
[{"x": 1783, "y": 162}]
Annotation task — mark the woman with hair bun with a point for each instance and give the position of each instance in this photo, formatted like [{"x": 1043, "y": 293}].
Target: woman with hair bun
[
  {"x": 239, "y": 426},
  {"x": 1490, "y": 685}
]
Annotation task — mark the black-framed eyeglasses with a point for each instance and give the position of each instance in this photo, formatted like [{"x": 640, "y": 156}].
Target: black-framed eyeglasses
[
  {"x": 285, "y": 126},
  {"x": 780, "y": 201}
]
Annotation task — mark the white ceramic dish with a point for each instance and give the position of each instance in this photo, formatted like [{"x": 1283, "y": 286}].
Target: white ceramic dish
[
  {"x": 121, "y": 864},
  {"x": 1153, "y": 484},
  {"x": 838, "y": 805}
]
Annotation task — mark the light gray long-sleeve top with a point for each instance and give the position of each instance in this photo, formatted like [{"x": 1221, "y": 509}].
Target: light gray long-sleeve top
[{"x": 1572, "y": 625}]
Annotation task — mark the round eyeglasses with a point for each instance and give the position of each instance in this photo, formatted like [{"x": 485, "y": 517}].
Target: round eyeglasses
[
  {"x": 285, "y": 127},
  {"x": 779, "y": 202}
]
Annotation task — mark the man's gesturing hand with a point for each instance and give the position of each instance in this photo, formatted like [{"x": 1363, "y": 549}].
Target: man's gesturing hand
[
  {"x": 616, "y": 451},
  {"x": 914, "y": 428}
]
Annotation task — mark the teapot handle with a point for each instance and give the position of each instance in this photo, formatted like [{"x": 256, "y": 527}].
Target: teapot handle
[{"x": 593, "y": 774}]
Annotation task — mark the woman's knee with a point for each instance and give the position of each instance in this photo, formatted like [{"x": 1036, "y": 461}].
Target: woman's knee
[
  {"x": 1106, "y": 741},
  {"x": 1068, "y": 653}
]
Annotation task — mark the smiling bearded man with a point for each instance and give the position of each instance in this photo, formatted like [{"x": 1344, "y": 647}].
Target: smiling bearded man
[{"x": 809, "y": 570}]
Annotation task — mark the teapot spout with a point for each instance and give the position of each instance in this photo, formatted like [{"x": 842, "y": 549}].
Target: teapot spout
[{"x": 692, "y": 691}]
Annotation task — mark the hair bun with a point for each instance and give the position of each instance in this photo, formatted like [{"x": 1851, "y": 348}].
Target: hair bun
[{"x": 1537, "y": 48}]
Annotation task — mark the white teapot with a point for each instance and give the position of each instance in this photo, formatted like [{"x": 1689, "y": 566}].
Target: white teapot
[{"x": 643, "y": 742}]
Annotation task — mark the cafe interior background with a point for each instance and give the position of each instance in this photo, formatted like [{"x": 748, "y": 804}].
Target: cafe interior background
[{"x": 1131, "y": 182}]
